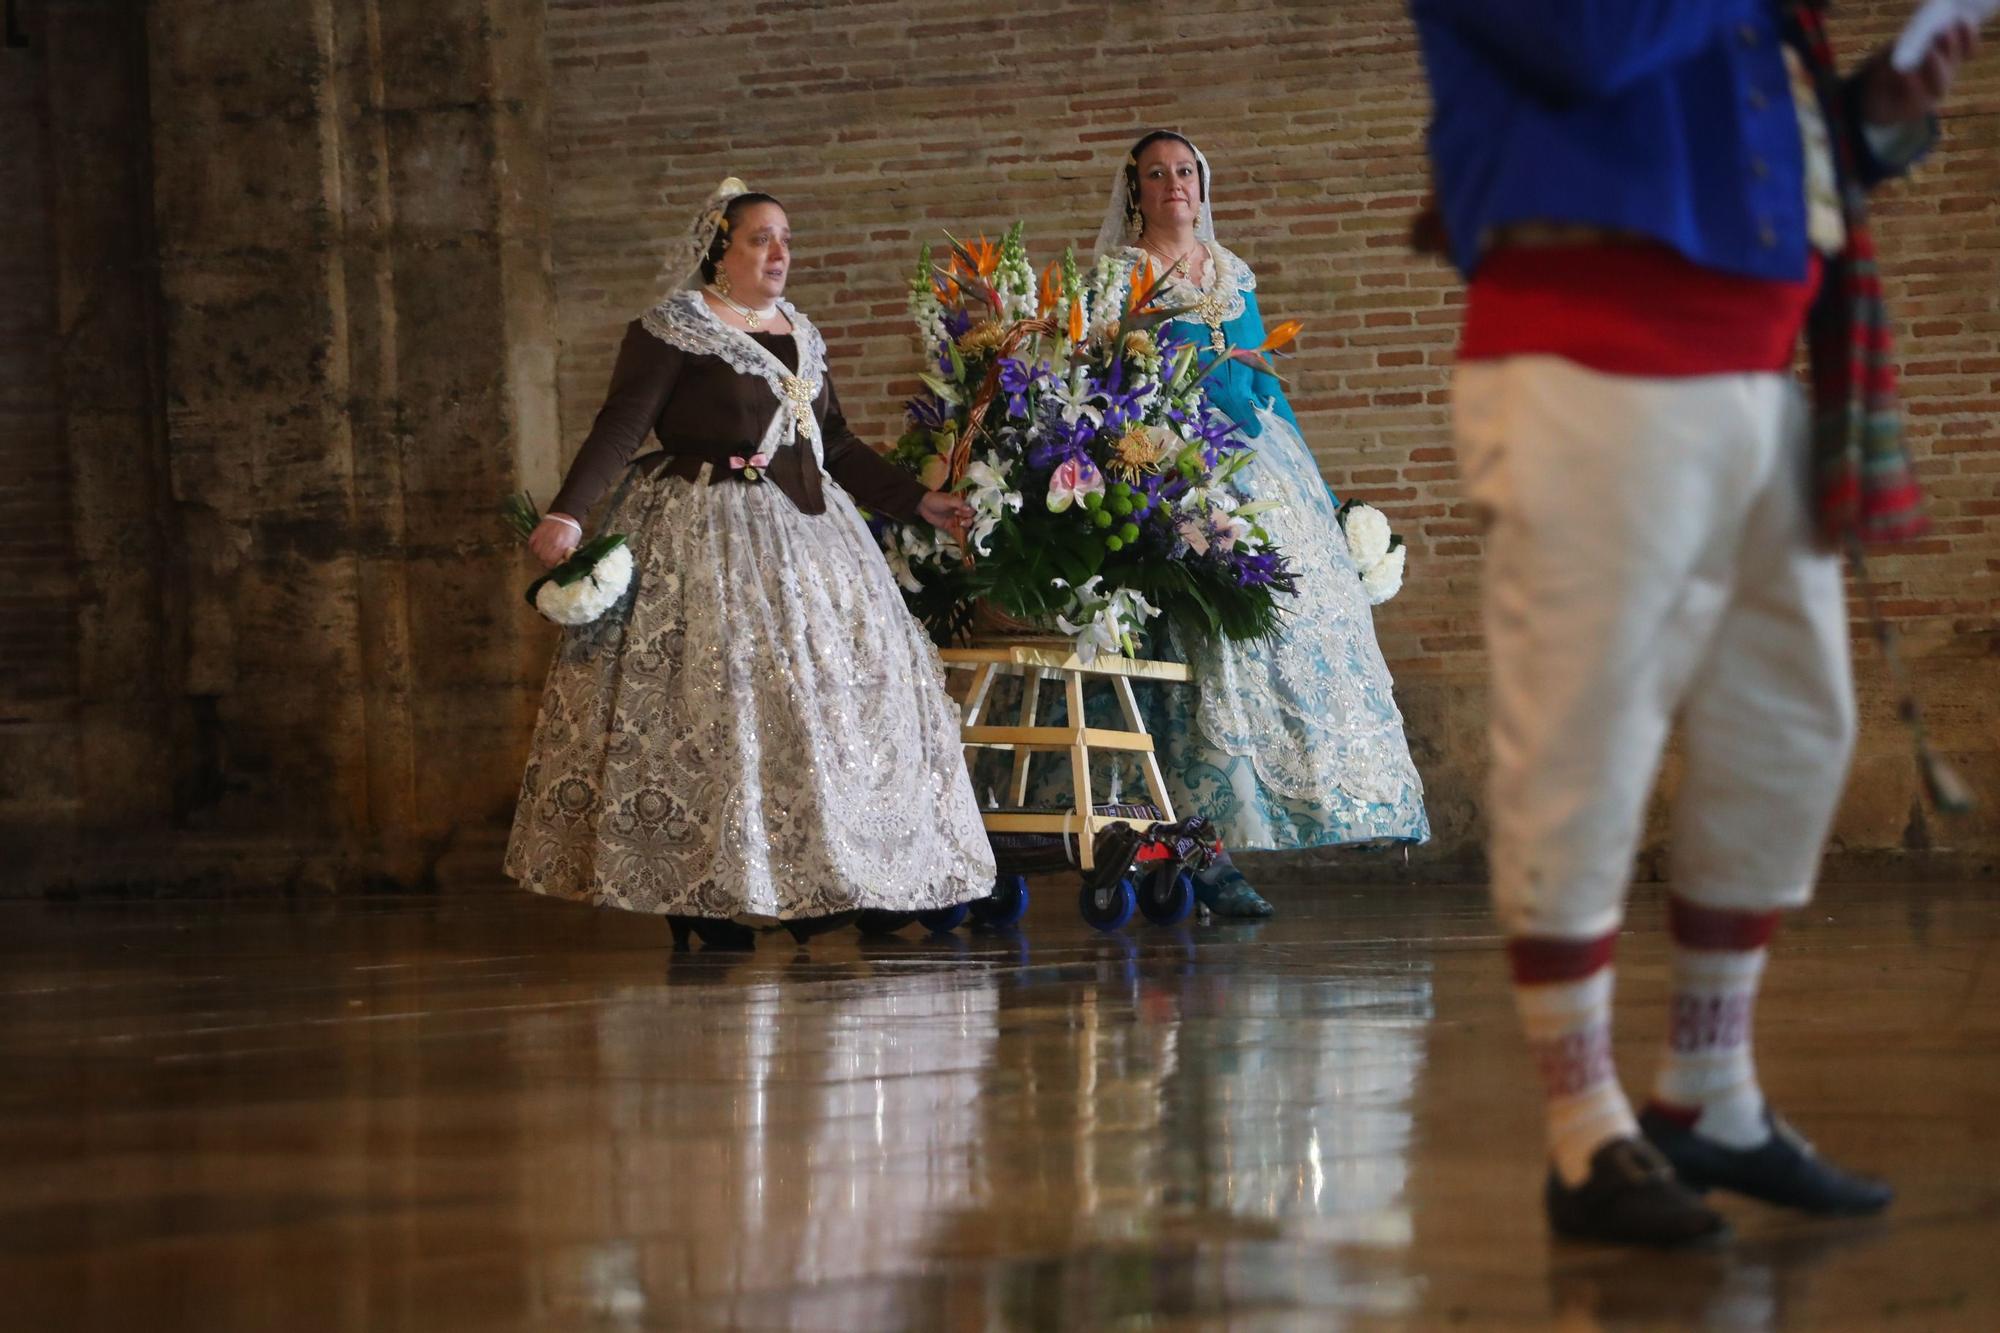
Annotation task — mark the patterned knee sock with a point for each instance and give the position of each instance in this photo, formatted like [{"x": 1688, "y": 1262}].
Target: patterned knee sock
[
  {"x": 1562, "y": 988},
  {"x": 1707, "y": 1079}
]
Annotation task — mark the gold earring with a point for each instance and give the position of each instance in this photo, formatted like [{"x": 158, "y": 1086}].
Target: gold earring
[{"x": 721, "y": 283}]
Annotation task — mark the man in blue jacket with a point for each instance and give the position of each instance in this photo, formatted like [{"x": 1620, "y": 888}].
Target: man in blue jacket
[{"x": 1650, "y": 200}]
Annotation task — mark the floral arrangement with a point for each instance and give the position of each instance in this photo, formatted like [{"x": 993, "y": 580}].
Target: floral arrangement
[
  {"x": 1078, "y": 428},
  {"x": 1377, "y": 553},
  {"x": 583, "y": 587}
]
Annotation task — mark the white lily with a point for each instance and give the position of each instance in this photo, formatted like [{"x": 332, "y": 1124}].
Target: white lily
[
  {"x": 1102, "y": 624},
  {"x": 1202, "y": 499},
  {"x": 1097, "y": 636},
  {"x": 1078, "y": 402},
  {"x": 986, "y": 490}
]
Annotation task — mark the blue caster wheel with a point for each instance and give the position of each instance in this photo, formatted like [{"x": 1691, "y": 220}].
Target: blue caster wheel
[
  {"x": 1110, "y": 908},
  {"x": 1007, "y": 906},
  {"x": 882, "y": 923},
  {"x": 1167, "y": 897},
  {"x": 944, "y": 920}
]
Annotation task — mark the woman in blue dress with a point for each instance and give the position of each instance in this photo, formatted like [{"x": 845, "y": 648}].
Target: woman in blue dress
[{"x": 1295, "y": 741}]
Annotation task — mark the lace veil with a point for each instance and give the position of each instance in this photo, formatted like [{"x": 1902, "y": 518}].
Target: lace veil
[
  {"x": 682, "y": 265},
  {"x": 1120, "y": 224}
]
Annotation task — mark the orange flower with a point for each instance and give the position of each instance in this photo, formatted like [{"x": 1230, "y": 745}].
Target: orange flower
[
  {"x": 1051, "y": 290},
  {"x": 1075, "y": 320},
  {"x": 1280, "y": 336},
  {"x": 1142, "y": 287},
  {"x": 985, "y": 257}
]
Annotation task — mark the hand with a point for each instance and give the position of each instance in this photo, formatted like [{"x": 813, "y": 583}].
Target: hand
[
  {"x": 552, "y": 541},
  {"x": 941, "y": 509},
  {"x": 1891, "y": 97}
]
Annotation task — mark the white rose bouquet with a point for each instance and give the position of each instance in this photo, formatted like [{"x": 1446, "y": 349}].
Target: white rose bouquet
[
  {"x": 1378, "y": 554},
  {"x": 583, "y": 587}
]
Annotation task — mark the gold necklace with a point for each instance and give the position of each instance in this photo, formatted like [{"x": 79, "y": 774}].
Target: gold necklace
[
  {"x": 754, "y": 318},
  {"x": 1177, "y": 267}
]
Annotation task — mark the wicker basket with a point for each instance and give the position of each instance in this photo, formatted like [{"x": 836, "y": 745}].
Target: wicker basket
[{"x": 990, "y": 624}]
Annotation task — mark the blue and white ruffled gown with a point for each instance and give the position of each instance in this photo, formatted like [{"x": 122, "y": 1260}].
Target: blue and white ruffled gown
[{"x": 1295, "y": 741}]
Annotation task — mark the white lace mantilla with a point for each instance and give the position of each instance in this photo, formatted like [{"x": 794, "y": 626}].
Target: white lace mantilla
[{"x": 684, "y": 320}]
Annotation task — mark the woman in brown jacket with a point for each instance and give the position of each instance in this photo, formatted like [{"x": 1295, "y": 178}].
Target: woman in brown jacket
[{"x": 759, "y": 733}]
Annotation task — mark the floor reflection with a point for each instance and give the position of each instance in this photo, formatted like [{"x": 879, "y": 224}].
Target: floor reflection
[{"x": 500, "y": 1114}]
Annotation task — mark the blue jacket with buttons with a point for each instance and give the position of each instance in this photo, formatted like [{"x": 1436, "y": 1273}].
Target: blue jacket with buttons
[{"x": 1671, "y": 119}]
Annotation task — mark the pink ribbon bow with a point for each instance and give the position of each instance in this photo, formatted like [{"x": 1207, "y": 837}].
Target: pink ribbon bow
[{"x": 751, "y": 467}]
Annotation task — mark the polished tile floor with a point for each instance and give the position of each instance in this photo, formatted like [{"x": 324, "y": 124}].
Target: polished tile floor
[{"x": 494, "y": 1112}]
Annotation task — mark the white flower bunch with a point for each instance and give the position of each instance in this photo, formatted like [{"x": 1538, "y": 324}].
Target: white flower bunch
[
  {"x": 1014, "y": 277},
  {"x": 904, "y": 547},
  {"x": 1384, "y": 578},
  {"x": 926, "y": 312},
  {"x": 1101, "y": 624},
  {"x": 583, "y": 587},
  {"x": 985, "y": 487},
  {"x": 1378, "y": 555},
  {"x": 587, "y": 598}
]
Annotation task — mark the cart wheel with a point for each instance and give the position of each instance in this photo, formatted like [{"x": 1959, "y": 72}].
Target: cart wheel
[
  {"x": 1008, "y": 904},
  {"x": 873, "y": 922},
  {"x": 944, "y": 920},
  {"x": 1167, "y": 896},
  {"x": 1110, "y": 908}
]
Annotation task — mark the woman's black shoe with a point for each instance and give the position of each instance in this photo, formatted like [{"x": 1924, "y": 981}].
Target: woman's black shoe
[
  {"x": 713, "y": 933},
  {"x": 804, "y": 929},
  {"x": 1632, "y": 1198}
]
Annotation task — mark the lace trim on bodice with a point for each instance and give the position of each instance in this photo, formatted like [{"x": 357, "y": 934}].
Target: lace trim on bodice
[
  {"x": 1210, "y": 306},
  {"x": 684, "y": 320}
]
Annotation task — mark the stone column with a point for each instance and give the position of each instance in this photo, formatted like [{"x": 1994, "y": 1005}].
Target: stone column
[{"x": 358, "y": 357}]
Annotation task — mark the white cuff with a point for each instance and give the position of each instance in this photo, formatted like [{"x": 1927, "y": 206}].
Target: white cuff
[{"x": 565, "y": 518}]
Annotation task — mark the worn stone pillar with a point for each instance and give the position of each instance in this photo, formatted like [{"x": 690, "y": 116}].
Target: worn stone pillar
[
  {"x": 90, "y": 727},
  {"x": 358, "y": 362}
]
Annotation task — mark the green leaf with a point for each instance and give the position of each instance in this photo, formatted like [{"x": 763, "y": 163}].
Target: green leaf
[{"x": 520, "y": 514}]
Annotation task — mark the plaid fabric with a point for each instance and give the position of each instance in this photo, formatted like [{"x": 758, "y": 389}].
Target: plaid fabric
[{"x": 1864, "y": 487}]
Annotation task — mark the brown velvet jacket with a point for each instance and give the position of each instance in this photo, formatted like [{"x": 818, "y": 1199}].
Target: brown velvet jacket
[{"x": 702, "y": 411}]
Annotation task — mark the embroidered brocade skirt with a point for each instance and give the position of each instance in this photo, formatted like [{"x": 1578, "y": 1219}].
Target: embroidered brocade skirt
[{"x": 759, "y": 728}]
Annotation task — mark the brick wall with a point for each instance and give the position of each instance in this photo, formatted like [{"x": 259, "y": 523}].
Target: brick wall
[
  {"x": 124, "y": 308},
  {"x": 881, "y": 121}
]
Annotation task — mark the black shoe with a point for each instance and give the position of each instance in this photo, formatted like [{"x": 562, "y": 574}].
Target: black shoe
[
  {"x": 713, "y": 932},
  {"x": 1632, "y": 1198},
  {"x": 807, "y": 927},
  {"x": 1783, "y": 1169}
]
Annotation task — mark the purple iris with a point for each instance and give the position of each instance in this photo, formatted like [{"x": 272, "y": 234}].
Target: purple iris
[
  {"x": 1260, "y": 569},
  {"x": 1061, "y": 444},
  {"x": 1122, "y": 409},
  {"x": 1016, "y": 379},
  {"x": 1217, "y": 436}
]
